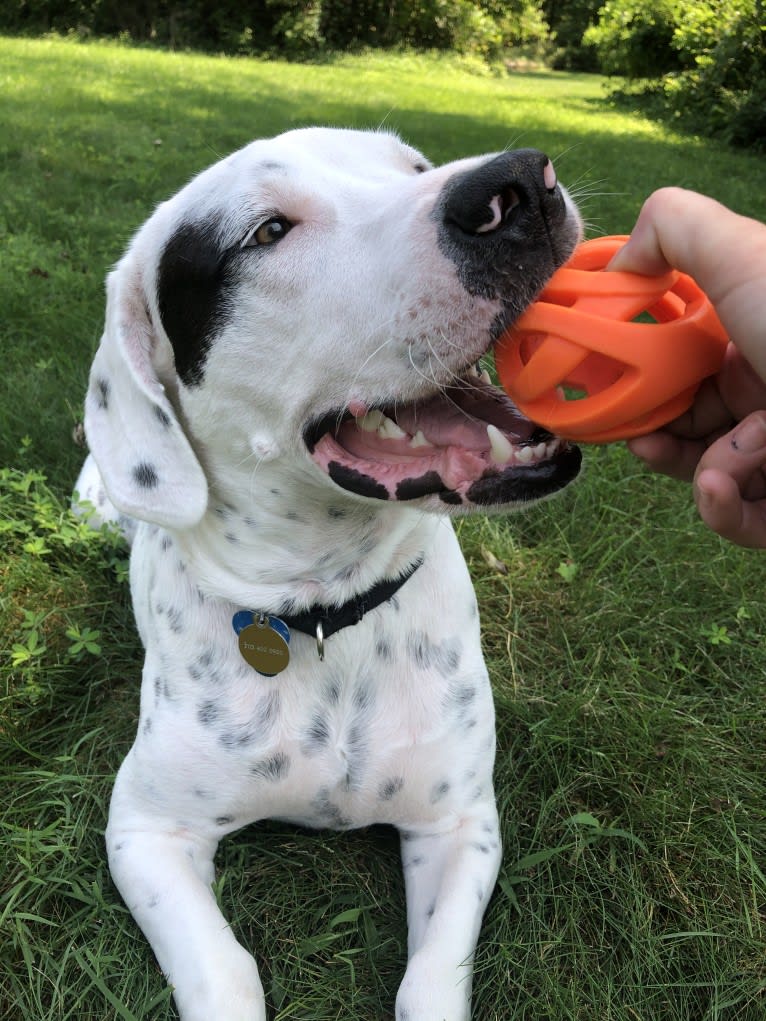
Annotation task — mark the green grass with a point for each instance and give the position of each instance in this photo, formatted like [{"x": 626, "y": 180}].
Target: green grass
[{"x": 626, "y": 644}]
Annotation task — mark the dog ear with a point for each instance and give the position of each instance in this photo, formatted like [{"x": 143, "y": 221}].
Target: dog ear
[{"x": 146, "y": 461}]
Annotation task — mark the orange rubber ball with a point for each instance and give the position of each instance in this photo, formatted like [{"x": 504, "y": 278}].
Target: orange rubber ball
[{"x": 581, "y": 362}]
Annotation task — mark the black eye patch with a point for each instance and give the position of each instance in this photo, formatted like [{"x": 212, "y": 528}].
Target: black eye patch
[{"x": 195, "y": 277}]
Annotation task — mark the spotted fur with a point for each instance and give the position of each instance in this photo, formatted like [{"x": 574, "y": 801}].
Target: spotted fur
[{"x": 318, "y": 271}]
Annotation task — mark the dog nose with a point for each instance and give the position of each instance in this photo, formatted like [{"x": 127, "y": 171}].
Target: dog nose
[{"x": 498, "y": 194}]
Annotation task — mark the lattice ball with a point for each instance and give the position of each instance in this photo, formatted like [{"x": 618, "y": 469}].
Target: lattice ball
[{"x": 604, "y": 356}]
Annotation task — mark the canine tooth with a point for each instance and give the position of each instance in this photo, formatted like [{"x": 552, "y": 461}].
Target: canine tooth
[
  {"x": 525, "y": 454},
  {"x": 539, "y": 451},
  {"x": 501, "y": 449},
  {"x": 473, "y": 372},
  {"x": 389, "y": 430},
  {"x": 371, "y": 421},
  {"x": 484, "y": 376},
  {"x": 419, "y": 440}
]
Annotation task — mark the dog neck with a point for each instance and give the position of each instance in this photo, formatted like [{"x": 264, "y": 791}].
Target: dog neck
[{"x": 272, "y": 549}]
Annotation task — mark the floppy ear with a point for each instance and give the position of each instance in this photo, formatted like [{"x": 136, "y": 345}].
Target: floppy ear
[{"x": 146, "y": 461}]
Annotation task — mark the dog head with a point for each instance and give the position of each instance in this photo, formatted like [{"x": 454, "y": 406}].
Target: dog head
[{"x": 320, "y": 300}]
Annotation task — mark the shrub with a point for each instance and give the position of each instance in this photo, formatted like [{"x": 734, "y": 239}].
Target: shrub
[
  {"x": 568, "y": 21},
  {"x": 58, "y": 578},
  {"x": 634, "y": 38}
]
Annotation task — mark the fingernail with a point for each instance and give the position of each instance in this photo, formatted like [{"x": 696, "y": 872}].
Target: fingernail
[
  {"x": 750, "y": 436},
  {"x": 704, "y": 497}
]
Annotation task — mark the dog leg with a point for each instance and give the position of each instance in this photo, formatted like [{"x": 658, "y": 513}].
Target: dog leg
[
  {"x": 94, "y": 505},
  {"x": 449, "y": 877},
  {"x": 165, "y": 879}
]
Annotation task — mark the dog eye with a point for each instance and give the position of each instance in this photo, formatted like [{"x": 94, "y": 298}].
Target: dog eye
[
  {"x": 268, "y": 232},
  {"x": 420, "y": 168}
]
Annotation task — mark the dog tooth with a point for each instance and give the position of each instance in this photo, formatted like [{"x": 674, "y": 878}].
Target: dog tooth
[
  {"x": 539, "y": 451},
  {"x": 371, "y": 421},
  {"x": 501, "y": 449},
  {"x": 419, "y": 440},
  {"x": 525, "y": 454},
  {"x": 389, "y": 430},
  {"x": 473, "y": 372},
  {"x": 485, "y": 377},
  {"x": 551, "y": 448}
]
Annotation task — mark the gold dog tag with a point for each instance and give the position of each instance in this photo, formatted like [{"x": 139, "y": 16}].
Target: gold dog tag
[{"x": 264, "y": 646}]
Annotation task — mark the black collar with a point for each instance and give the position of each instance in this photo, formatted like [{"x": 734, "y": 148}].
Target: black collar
[{"x": 334, "y": 618}]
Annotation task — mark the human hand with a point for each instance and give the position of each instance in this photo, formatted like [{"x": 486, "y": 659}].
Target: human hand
[{"x": 726, "y": 255}]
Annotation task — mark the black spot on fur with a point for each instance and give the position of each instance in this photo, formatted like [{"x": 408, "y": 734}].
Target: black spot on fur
[
  {"x": 439, "y": 791},
  {"x": 390, "y": 788},
  {"x": 327, "y": 811},
  {"x": 202, "y": 667},
  {"x": 175, "y": 620},
  {"x": 145, "y": 475},
  {"x": 103, "y": 391},
  {"x": 442, "y": 656},
  {"x": 317, "y": 735},
  {"x": 272, "y": 769},
  {"x": 384, "y": 650},
  {"x": 208, "y": 713},
  {"x": 224, "y": 820},
  {"x": 194, "y": 280},
  {"x": 162, "y": 417},
  {"x": 257, "y": 727}
]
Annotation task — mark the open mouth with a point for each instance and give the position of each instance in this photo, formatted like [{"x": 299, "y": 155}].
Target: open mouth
[{"x": 465, "y": 444}]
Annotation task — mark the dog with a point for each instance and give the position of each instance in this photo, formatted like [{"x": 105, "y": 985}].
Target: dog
[{"x": 284, "y": 412}]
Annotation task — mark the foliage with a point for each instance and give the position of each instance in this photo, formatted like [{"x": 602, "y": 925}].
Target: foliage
[
  {"x": 568, "y": 21},
  {"x": 295, "y": 29},
  {"x": 634, "y": 38},
  {"x": 46, "y": 548},
  {"x": 716, "y": 71}
]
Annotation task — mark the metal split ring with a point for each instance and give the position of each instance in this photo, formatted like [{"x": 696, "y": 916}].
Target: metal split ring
[{"x": 320, "y": 641}]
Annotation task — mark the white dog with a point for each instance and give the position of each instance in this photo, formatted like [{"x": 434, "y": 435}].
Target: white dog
[{"x": 285, "y": 384}]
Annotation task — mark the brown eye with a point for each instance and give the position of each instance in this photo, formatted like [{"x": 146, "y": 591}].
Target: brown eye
[{"x": 268, "y": 232}]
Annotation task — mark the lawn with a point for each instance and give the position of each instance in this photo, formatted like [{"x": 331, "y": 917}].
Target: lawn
[{"x": 627, "y": 646}]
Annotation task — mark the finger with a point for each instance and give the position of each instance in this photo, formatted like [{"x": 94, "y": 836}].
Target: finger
[
  {"x": 741, "y": 389},
  {"x": 741, "y": 454},
  {"x": 668, "y": 454},
  {"x": 708, "y": 414},
  {"x": 724, "y": 252},
  {"x": 722, "y": 508}
]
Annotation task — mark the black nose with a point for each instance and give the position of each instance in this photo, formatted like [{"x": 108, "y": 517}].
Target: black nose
[
  {"x": 506, "y": 227},
  {"x": 501, "y": 193}
]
